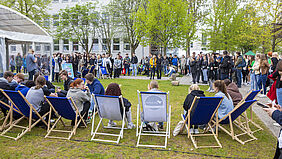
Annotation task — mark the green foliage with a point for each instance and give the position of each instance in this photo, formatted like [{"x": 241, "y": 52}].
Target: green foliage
[
  {"x": 78, "y": 23},
  {"x": 35, "y": 10}
]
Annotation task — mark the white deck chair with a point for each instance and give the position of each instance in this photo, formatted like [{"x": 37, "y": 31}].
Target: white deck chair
[
  {"x": 155, "y": 108},
  {"x": 108, "y": 108}
]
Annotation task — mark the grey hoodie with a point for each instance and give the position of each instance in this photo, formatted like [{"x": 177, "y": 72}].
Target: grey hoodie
[{"x": 79, "y": 97}]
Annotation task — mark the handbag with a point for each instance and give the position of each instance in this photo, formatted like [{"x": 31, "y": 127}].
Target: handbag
[
  {"x": 123, "y": 71},
  {"x": 179, "y": 128}
]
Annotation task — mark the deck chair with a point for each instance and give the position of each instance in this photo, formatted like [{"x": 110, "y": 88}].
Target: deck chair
[
  {"x": 18, "y": 100},
  {"x": 104, "y": 72},
  {"x": 92, "y": 69},
  {"x": 63, "y": 108},
  {"x": 230, "y": 119},
  {"x": 108, "y": 108},
  {"x": 9, "y": 118},
  {"x": 251, "y": 96},
  {"x": 153, "y": 107},
  {"x": 203, "y": 110}
]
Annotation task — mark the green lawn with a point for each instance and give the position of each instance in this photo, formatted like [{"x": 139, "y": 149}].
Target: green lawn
[{"x": 34, "y": 145}]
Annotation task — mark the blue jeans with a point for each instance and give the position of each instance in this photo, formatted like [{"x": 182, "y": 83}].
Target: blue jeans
[
  {"x": 171, "y": 73},
  {"x": 257, "y": 79},
  {"x": 262, "y": 82},
  {"x": 165, "y": 69},
  {"x": 224, "y": 76},
  {"x": 254, "y": 85},
  {"x": 205, "y": 74},
  {"x": 134, "y": 69},
  {"x": 127, "y": 71},
  {"x": 239, "y": 77},
  {"x": 31, "y": 74},
  {"x": 279, "y": 96}
]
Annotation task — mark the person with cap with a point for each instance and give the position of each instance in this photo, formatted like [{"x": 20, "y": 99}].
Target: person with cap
[{"x": 31, "y": 64}]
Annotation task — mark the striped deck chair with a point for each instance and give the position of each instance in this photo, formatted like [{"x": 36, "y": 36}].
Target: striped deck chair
[
  {"x": 230, "y": 119},
  {"x": 18, "y": 100},
  {"x": 108, "y": 108},
  {"x": 63, "y": 108},
  {"x": 153, "y": 107},
  {"x": 251, "y": 96},
  {"x": 104, "y": 72},
  {"x": 203, "y": 110}
]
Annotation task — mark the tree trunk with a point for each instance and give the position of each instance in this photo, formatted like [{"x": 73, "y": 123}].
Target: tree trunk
[
  {"x": 132, "y": 49},
  {"x": 188, "y": 48},
  {"x": 273, "y": 43}
]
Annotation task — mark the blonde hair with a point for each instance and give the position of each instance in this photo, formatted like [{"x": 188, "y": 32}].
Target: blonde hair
[
  {"x": 193, "y": 87},
  {"x": 154, "y": 84},
  {"x": 275, "y": 54}
]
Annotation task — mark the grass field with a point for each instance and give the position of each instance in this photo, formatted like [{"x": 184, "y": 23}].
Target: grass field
[{"x": 34, "y": 145}]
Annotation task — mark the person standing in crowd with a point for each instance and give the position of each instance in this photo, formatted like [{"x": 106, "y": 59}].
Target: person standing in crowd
[
  {"x": 57, "y": 67},
  {"x": 117, "y": 67},
  {"x": 19, "y": 62},
  {"x": 253, "y": 80},
  {"x": 12, "y": 63},
  {"x": 225, "y": 66},
  {"x": 24, "y": 64},
  {"x": 170, "y": 59},
  {"x": 205, "y": 69},
  {"x": 107, "y": 63},
  {"x": 187, "y": 68},
  {"x": 153, "y": 64},
  {"x": 245, "y": 72},
  {"x": 263, "y": 67},
  {"x": 193, "y": 69},
  {"x": 165, "y": 64},
  {"x": 99, "y": 63},
  {"x": 126, "y": 63},
  {"x": 194, "y": 91},
  {"x": 256, "y": 70},
  {"x": 198, "y": 68},
  {"x": 278, "y": 75},
  {"x": 75, "y": 62},
  {"x": 81, "y": 98},
  {"x": 211, "y": 73},
  {"x": 227, "y": 104},
  {"x": 175, "y": 62},
  {"x": 134, "y": 62},
  {"x": 31, "y": 64},
  {"x": 274, "y": 61},
  {"x": 159, "y": 66},
  {"x": 239, "y": 64},
  {"x": 183, "y": 65}
]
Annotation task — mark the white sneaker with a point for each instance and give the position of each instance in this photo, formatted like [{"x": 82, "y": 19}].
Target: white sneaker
[
  {"x": 196, "y": 131},
  {"x": 276, "y": 124},
  {"x": 130, "y": 126},
  {"x": 211, "y": 91},
  {"x": 191, "y": 131},
  {"x": 112, "y": 124}
]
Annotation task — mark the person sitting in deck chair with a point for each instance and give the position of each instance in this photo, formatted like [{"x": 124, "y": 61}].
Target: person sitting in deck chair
[
  {"x": 113, "y": 89},
  {"x": 24, "y": 88},
  {"x": 94, "y": 84},
  {"x": 49, "y": 85},
  {"x": 18, "y": 79},
  {"x": 67, "y": 81},
  {"x": 4, "y": 84},
  {"x": 81, "y": 98},
  {"x": 233, "y": 91},
  {"x": 194, "y": 90},
  {"x": 35, "y": 96},
  {"x": 227, "y": 105}
]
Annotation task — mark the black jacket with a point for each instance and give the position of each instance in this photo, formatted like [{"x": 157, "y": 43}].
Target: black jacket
[
  {"x": 193, "y": 66},
  {"x": 225, "y": 65},
  {"x": 67, "y": 83},
  {"x": 134, "y": 60},
  {"x": 159, "y": 62},
  {"x": 127, "y": 105},
  {"x": 190, "y": 97},
  {"x": 5, "y": 86}
]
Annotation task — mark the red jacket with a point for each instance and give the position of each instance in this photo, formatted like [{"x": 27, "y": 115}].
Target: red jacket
[{"x": 272, "y": 92}]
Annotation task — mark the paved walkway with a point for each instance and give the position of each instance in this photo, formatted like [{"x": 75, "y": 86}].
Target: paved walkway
[
  {"x": 262, "y": 115},
  {"x": 145, "y": 78}
]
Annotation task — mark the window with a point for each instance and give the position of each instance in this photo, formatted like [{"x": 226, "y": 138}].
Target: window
[
  {"x": 127, "y": 47},
  {"x": 13, "y": 48},
  {"x": 55, "y": 1},
  {"x": 47, "y": 48},
  {"x": 65, "y": 1},
  {"x": 204, "y": 39},
  {"x": 126, "y": 44},
  {"x": 116, "y": 44},
  {"x": 104, "y": 46},
  {"x": 95, "y": 45},
  {"x": 56, "y": 45},
  {"x": 66, "y": 45},
  {"x": 38, "y": 47},
  {"x": 75, "y": 45},
  {"x": 55, "y": 20},
  {"x": 74, "y": 0}
]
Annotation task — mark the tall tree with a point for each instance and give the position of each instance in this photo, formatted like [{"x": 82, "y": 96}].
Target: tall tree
[
  {"x": 123, "y": 11},
  {"x": 157, "y": 22},
  {"x": 79, "y": 23}
]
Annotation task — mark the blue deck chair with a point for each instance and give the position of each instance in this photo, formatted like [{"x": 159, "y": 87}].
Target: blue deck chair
[
  {"x": 104, "y": 72},
  {"x": 230, "y": 119},
  {"x": 63, "y": 107},
  {"x": 251, "y": 96},
  {"x": 153, "y": 107},
  {"x": 12, "y": 112},
  {"x": 46, "y": 78},
  {"x": 92, "y": 69},
  {"x": 108, "y": 108},
  {"x": 18, "y": 100},
  {"x": 202, "y": 111}
]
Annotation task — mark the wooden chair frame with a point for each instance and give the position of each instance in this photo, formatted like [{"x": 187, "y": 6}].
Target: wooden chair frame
[
  {"x": 193, "y": 136},
  {"x": 25, "y": 129},
  {"x": 165, "y": 134},
  {"x": 94, "y": 133},
  {"x": 76, "y": 123}
]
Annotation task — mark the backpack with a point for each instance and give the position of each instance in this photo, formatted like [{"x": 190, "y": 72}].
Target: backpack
[{"x": 243, "y": 63}]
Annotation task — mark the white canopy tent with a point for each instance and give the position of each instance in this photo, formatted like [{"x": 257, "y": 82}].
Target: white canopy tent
[{"x": 19, "y": 29}]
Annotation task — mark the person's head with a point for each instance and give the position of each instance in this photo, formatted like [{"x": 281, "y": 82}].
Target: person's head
[
  {"x": 8, "y": 76},
  {"x": 193, "y": 87},
  {"x": 19, "y": 54},
  {"x": 19, "y": 77},
  {"x": 30, "y": 83},
  {"x": 89, "y": 78},
  {"x": 133, "y": 55},
  {"x": 154, "y": 56},
  {"x": 238, "y": 53},
  {"x": 153, "y": 85},
  {"x": 78, "y": 83},
  {"x": 126, "y": 55},
  {"x": 118, "y": 57},
  {"x": 227, "y": 82},
  {"x": 219, "y": 85},
  {"x": 269, "y": 54},
  {"x": 170, "y": 55},
  {"x": 113, "y": 89},
  {"x": 40, "y": 82},
  {"x": 275, "y": 54},
  {"x": 257, "y": 56},
  {"x": 64, "y": 75},
  {"x": 36, "y": 75},
  {"x": 262, "y": 57}
]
